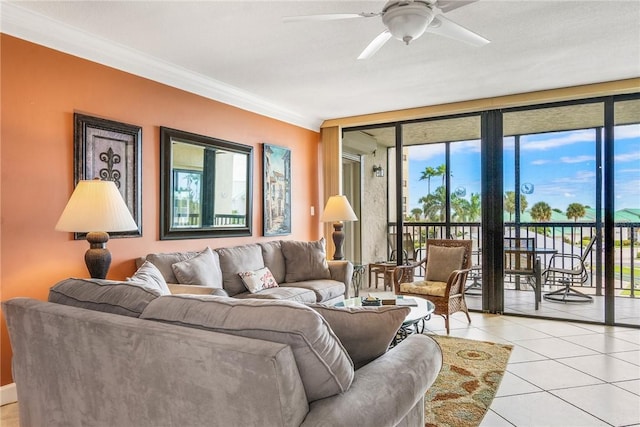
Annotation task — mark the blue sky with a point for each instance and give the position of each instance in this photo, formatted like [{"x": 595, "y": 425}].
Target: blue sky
[{"x": 559, "y": 167}]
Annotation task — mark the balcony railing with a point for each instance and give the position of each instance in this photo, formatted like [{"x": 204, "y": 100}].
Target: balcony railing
[{"x": 564, "y": 238}]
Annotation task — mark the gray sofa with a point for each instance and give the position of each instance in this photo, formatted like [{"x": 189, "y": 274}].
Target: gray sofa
[
  {"x": 299, "y": 268},
  {"x": 105, "y": 353}
]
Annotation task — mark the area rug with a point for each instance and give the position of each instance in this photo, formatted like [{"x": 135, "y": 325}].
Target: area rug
[{"x": 470, "y": 376}]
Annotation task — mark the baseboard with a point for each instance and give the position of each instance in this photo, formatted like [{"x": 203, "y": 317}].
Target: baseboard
[{"x": 8, "y": 394}]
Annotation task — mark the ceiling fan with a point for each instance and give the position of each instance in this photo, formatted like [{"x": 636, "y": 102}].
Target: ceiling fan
[{"x": 406, "y": 20}]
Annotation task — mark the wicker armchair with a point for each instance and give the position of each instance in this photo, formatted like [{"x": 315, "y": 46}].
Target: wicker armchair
[{"x": 446, "y": 267}]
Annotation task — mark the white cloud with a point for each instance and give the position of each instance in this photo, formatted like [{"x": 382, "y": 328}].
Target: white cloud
[
  {"x": 570, "y": 195},
  {"x": 627, "y": 157},
  {"x": 627, "y": 132},
  {"x": 578, "y": 159},
  {"x": 539, "y": 162},
  {"x": 562, "y": 140}
]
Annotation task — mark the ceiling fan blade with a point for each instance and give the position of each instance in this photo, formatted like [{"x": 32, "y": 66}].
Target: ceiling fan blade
[
  {"x": 444, "y": 27},
  {"x": 375, "y": 45},
  {"x": 329, "y": 17},
  {"x": 449, "y": 5}
]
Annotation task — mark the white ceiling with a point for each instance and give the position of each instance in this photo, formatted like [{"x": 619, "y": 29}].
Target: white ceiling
[{"x": 240, "y": 52}]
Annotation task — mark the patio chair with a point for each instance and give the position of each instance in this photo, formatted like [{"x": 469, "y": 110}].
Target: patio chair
[
  {"x": 446, "y": 267},
  {"x": 408, "y": 247},
  {"x": 566, "y": 270}
]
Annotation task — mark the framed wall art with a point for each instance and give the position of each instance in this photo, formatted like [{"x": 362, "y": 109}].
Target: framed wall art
[
  {"x": 110, "y": 151},
  {"x": 276, "y": 185}
]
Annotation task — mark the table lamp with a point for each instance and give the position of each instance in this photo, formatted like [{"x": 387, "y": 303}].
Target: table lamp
[
  {"x": 338, "y": 210},
  {"x": 96, "y": 207}
]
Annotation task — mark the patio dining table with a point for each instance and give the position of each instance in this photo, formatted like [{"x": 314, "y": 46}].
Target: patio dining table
[{"x": 532, "y": 266}]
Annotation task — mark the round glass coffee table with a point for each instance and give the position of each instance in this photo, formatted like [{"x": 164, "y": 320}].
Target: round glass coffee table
[{"x": 421, "y": 310}]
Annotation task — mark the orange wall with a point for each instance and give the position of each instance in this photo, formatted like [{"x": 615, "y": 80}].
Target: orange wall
[{"x": 41, "y": 89}]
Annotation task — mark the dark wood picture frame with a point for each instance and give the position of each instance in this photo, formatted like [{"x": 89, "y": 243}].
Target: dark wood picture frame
[
  {"x": 276, "y": 190},
  {"x": 218, "y": 181},
  {"x": 110, "y": 150}
]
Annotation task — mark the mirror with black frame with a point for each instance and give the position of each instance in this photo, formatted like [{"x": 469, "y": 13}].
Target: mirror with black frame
[{"x": 205, "y": 186}]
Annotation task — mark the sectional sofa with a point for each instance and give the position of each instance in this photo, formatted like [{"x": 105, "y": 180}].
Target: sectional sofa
[
  {"x": 296, "y": 271},
  {"x": 117, "y": 353}
]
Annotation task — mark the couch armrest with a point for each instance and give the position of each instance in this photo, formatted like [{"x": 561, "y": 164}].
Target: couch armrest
[
  {"x": 342, "y": 271},
  {"x": 384, "y": 391},
  {"x": 176, "y": 288}
]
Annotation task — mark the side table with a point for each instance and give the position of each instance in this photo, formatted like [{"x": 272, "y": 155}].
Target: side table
[
  {"x": 384, "y": 270},
  {"x": 356, "y": 278}
]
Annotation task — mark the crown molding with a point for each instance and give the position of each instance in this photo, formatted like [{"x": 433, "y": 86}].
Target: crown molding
[{"x": 40, "y": 29}]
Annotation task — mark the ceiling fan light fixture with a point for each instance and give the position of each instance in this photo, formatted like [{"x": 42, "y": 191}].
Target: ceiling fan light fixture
[{"x": 407, "y": 22}]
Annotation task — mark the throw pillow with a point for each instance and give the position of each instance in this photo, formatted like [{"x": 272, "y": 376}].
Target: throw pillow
[
  {"x": 236, "y": 259},
  {"x": 273, "y": 258},
  {"x": 323, "y": 363},
  {"x": 203, "y": 269},
  {"x": 150, "y": 276},
  {"x": 305, "y": 260},
  {"x": 365, "y": 332},
  {"x": 257, "y": 280},
  {"x": 442, "y": 261},
  {"x": 124, "y": 298},
  {"x": 164, "y": 261}
]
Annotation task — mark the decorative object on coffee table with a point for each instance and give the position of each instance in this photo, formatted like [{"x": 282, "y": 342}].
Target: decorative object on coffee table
[
  {"x": 338, "y": 210},
  {"x": 96, "y": 207}
]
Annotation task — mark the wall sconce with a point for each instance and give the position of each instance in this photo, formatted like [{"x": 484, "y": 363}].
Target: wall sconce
[{"x": 378, "y": 171}]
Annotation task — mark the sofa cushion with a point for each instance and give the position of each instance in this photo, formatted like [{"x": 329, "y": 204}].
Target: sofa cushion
[
  {"x": 203, "y": 269},
  {"x": 126, "y": 298},
  {"x": 164, "y": 262},
  {"x": 301, "y": 295},
  {"x": 365, "y": 332},
  {"x": 257, "y": 280},
  {"x": 273, "y": 258},
  {"x": 237, "y": 259},
  {"x": 323, "y": 363},
  {"x": 149, "y": 275},
  {"x": 441, "y": 261},
  {"x": 305, "y": 260},
  {"x": 324, "y": 290}
]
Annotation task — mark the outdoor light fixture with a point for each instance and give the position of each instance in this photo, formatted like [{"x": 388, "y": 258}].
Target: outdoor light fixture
[
  {"x": 378, "y": 171},
  {"x": 338, "y": 210},
  {"x": 96, "y": 207}
]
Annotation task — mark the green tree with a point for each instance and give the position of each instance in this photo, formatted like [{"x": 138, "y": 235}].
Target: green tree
[
  {"x": 441, "y": 171},
  {"x": 466, "y": 210},
  {"x": 433, "y": 205},
  {"x": 575, "y": 211},
  {"x": 427, "y": 174},
  {"x": 541, "y": 211},
  {"x": 416, "y": 213},
  {"x": 510, "y": 203}
]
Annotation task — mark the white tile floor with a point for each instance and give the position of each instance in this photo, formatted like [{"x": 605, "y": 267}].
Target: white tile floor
[{"x": 560, "y": 373}]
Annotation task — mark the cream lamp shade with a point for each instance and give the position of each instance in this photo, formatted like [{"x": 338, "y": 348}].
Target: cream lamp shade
[
  {"x": 338, "y": 210},
  {"x": 96, "y": 207}
]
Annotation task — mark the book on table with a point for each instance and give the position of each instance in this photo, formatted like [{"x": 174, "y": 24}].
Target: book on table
[{"x": 408, "y": 302}]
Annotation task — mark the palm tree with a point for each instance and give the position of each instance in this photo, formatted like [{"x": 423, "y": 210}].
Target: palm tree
[
  {"x": 416, "y": 213},
  {"x": 433, "y": 205},
  {"x": 541, "y": 211},
  {"x": 441, "y": 171},
  {"x": 475, "y": 209},
  {"x": 510, "y": 203},
  {"x": 575, "y": 211},
  {"x": 427, "y": 174}
]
